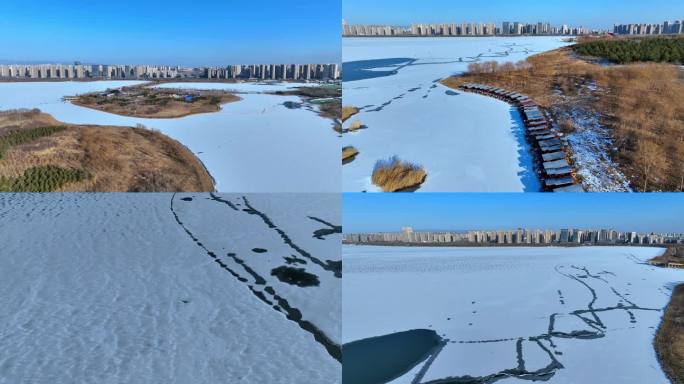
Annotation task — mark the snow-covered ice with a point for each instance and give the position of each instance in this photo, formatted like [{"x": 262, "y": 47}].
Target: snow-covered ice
[
  {"x": 239, "y": 87},
  {"x": 252, "y": 145},
  {"x": 164, "y": 288},
  {"x": 466, "y": 142},
  {"x": 573, "y": 315}
]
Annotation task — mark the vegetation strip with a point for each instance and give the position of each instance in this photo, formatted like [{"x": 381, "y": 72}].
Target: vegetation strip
[
  {"x": 623, "y": 132},
  {"x": 669, "y": 341},
  {"x": 41, "y": 154},
  {"x": 628, "y": 50}
]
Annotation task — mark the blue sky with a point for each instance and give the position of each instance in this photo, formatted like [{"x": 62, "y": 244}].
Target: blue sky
[
  {"x": 461, "y": 211},
  {"x": 171, "y": 31},
  {"x": 588, "y": 13}
]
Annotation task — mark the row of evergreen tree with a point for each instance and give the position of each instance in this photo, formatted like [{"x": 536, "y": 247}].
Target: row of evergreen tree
[
  {"x": 46, "y": 178},
  {"x": 625, "y": 51},
  {"x": 26, "y": 135}
]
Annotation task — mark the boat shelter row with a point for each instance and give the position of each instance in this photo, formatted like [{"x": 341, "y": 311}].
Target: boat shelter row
[{"x": 551, "y": 153}]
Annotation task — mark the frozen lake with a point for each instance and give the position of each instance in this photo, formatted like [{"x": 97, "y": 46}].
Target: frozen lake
[
  {"x": 466, "y": 142},
  {"x": 169, "y": 288},
  {"x": 253, "y": 145},
  {"x": 569, "y": 315}
]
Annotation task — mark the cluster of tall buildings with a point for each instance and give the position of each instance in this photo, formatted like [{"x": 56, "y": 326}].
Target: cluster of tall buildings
[
  {"x": 506, "y": 28},
  {"x": 81, "y": 71},
  {"x": 259, "y": 71},
  {"x": 666, "y": 28},
  {"x": 276, "y": 72},
  {"x": 519, "y": 236}
]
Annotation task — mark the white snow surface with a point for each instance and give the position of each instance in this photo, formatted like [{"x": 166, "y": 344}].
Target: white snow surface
[
  {"x": 483, "y": 300},
  {"x": 110, "y": 288},
  {"x": 591, "y": 143},
  {"x": 252, "y": 145},
  {"x": 466, "y": 142}
]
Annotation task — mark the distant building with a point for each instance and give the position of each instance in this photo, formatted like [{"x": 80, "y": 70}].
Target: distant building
[
  {"x": 319, "y": 72},
  {"x": 519, "y": 237},
  {"x": 666, "y": 28}
]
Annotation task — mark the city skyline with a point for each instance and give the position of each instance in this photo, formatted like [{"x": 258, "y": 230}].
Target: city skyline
[
  {"x": 173, "y": 34},
  {"x": 660, "y": 213},
  {"x": 109, "y": 71},
  {"x": 518, "y": 236},
  {"x": 600, "y": 14},
  {"x": 506, "y": 28}
]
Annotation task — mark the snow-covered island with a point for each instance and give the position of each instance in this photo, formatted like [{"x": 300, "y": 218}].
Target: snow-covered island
[{"x": 170, "y": 288}]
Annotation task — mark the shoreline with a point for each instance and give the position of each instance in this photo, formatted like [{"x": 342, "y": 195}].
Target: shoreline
[{"x": 669, "y": 338}]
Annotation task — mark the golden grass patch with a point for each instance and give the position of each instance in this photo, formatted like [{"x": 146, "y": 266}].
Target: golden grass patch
[
  {"x": 637, "y": 102},
  {"x": 116, "y": 159},
  {"x": 348, "y": 112},
  {"x": 348, "y": 154},
  {"x": 395, "y": 175},
  {"x": 355, "y": 126}
]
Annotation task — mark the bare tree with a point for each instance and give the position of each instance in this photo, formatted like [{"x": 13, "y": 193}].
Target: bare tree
[{"x": 651, "y": 160}]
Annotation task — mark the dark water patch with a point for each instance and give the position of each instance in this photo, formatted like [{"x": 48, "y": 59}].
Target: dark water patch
[
  {"x": 295, "y": 276},
  {"x": 364, "y": 69},
  {"x": 328, "y": 265},
  {"x": 186, "y": 198},
  {"x": 560, "y": 297},
  {"x": 259, "y": 250},
  {"x": 384, "y": 358},
  {"x": 295, "y": 315},
  {"x": 321, "y": 233},
  {"x": 258, "y": 280},
  {"x": 451, "y": 93},
  {"x": 292, "y": 105},
  {"x": 413, "y": 89},
  {"x": 217, "y": 198},
  {"x": 294, "y": 260}
]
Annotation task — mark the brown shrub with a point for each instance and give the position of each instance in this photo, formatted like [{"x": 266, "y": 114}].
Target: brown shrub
[
  {"x": 355, "y": 126},
  {"x": 348, "y": 112},
  {"x": 348, "y": 154},
  {"x": 395, "y": 175}
]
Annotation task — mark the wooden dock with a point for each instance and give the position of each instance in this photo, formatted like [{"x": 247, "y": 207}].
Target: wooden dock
[{"x": 550, "y": 152}]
